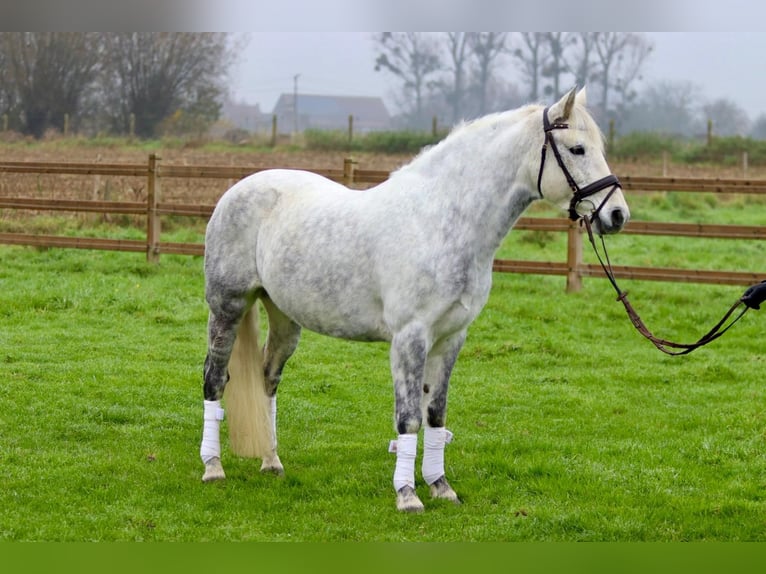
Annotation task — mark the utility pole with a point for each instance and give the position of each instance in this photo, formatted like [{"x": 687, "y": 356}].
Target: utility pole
[{"x": 295, "y": 104}]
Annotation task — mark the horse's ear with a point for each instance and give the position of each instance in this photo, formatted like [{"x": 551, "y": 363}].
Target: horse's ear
[
  {"x": 563, "y": 108},
  {"x": 582, "y": 97}
]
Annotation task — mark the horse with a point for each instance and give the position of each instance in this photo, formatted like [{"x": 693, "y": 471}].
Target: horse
[{"x": 407, "y": 262}]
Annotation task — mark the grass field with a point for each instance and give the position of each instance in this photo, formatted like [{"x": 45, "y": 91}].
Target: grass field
[{"x": 568, "y": 425}]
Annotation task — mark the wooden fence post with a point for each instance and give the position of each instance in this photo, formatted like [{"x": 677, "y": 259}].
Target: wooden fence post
[
  {"x": 152, "y": 219},
  {"x": 349, "y": 166},
  {"x": 574, "y": 257},
  {"x": 274, "y": 130}
]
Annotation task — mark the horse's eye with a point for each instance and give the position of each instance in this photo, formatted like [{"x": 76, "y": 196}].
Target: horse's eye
[{"x": 577, "y": 150}]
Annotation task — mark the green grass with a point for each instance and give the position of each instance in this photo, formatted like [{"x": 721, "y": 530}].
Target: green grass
[{"x": 568, "y": 425}]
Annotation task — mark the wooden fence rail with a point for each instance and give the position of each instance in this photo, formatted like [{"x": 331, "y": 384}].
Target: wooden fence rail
[{"x": 573, "y": 268}]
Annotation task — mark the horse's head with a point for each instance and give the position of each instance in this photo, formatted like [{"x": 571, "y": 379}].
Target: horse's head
[{"x": 581, "y": 183}]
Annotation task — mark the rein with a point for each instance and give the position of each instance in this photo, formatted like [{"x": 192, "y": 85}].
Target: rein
[{"x": 751, "y": 299}]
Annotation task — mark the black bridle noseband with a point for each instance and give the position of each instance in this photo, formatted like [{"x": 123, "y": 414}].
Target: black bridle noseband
[{"x": 579, "y": 194}]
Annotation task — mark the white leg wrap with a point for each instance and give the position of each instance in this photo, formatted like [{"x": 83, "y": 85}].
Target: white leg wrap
[
  {"x": 211, "y": 441},
  {"x": 406, "y": 449},
  {"x": 434, "y": 440}
]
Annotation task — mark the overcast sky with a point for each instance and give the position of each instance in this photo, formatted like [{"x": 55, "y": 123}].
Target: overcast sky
[{"x": 728, "y": 65}]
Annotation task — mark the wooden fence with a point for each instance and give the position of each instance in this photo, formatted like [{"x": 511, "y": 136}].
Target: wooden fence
[{"x": 153, "y": 209}]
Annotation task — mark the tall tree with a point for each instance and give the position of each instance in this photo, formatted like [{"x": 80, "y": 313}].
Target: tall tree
[
  {"x": 728, "y": 118},
  {"x": 630, "y": 68},
  {"x": 154, "y": 75},
  {"x": 486, "y": 48},
  {"x": 758, "y": 129},
  {"x": 668, "y": 107},
  {"x": 621, "y": 57},
  {"x": 457, "y": 47},
  {"x": 556, "y": 66},
  {"x": 581, "y": 59},
  {"x": 530, "y": 54},
  {"x": 46, "y": 75},
  {"x": 414, "y": 58},
  {"x": 8, "y": 97}
]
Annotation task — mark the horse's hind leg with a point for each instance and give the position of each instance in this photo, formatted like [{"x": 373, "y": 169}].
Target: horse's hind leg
[
  {"x": 439, "y": 365},
  {"x": 282, "y": 340},
  {"x": 222, "y": 332},
  {"x": 409, "y": 349}
]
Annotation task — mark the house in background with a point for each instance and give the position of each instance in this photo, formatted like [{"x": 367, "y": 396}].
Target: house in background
[
  {"x": 245, "y": 116},
  {"x": 315, "y": 112}
]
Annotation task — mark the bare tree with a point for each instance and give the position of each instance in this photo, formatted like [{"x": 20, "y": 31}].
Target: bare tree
[
  {"x": 8, "y": 96},
  {"x": 728, "y": 118},
  {"x": 758, "y": 129},
  {"x": 668, "y": 107},
  {"x": 46, "y": 76},
  {"x": 414, "y": 58},
  {"x": 620, "y": 57},
  {"x": 154, "y": 75},
  {"x": 630, "y": 66},
  {"x": 581, "y": 59},
  {"x": 457, "y": 45},
  {"x": 556, "y": 65},
  {"x": 531, "y": 56},
  {"x": 486, "y": 48}
]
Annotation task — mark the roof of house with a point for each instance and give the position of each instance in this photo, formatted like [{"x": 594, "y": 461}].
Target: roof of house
[{"x": 361, "y": 107}]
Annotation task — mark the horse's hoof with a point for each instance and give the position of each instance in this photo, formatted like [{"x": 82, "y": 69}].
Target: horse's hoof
[
  {"x": 272, "y": 465},
  {"x": 275, "y": 470},
  {"x": 213, "y": 470},
  {"x": 442, "y": 489},
  {"x": 408, "y": 501}
]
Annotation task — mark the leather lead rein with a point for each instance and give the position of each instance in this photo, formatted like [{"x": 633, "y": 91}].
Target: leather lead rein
[{"x": 752, "y": 298}]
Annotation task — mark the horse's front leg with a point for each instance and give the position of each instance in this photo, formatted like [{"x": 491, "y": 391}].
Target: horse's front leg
[
  {"x": 409, "y": 349},
  {"x": 439, "y": 365}
]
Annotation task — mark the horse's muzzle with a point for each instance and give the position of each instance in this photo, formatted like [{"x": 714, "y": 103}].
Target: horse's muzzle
[
  {"x": 610, "y": 220},
  {"x": 606, "y": 217}
]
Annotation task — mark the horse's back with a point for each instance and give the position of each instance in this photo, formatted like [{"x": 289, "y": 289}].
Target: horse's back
[{"x": 258, "y": 194}]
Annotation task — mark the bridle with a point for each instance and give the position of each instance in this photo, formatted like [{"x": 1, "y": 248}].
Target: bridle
[
  {"x": 579, "y": 194},
  {"x": 752, "y": 298}
]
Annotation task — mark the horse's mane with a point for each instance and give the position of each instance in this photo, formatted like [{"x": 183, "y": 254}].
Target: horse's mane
[
  {"x": 462, "y": 127},
  {"x": 509, "y": 117}
]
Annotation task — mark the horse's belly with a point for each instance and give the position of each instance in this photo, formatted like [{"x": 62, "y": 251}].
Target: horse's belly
[
  {"x": 325, "y": 296},
  {"x": 356, "y": 318}
]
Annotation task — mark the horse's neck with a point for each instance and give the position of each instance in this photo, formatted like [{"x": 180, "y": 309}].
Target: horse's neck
[{"x": 477, "y": 181}]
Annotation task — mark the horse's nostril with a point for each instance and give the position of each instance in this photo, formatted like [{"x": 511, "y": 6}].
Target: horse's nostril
[{"x": 618, "y": 218}]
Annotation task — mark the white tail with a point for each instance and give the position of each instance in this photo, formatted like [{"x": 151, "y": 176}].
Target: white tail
[{"x": 248, "y": 408}]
